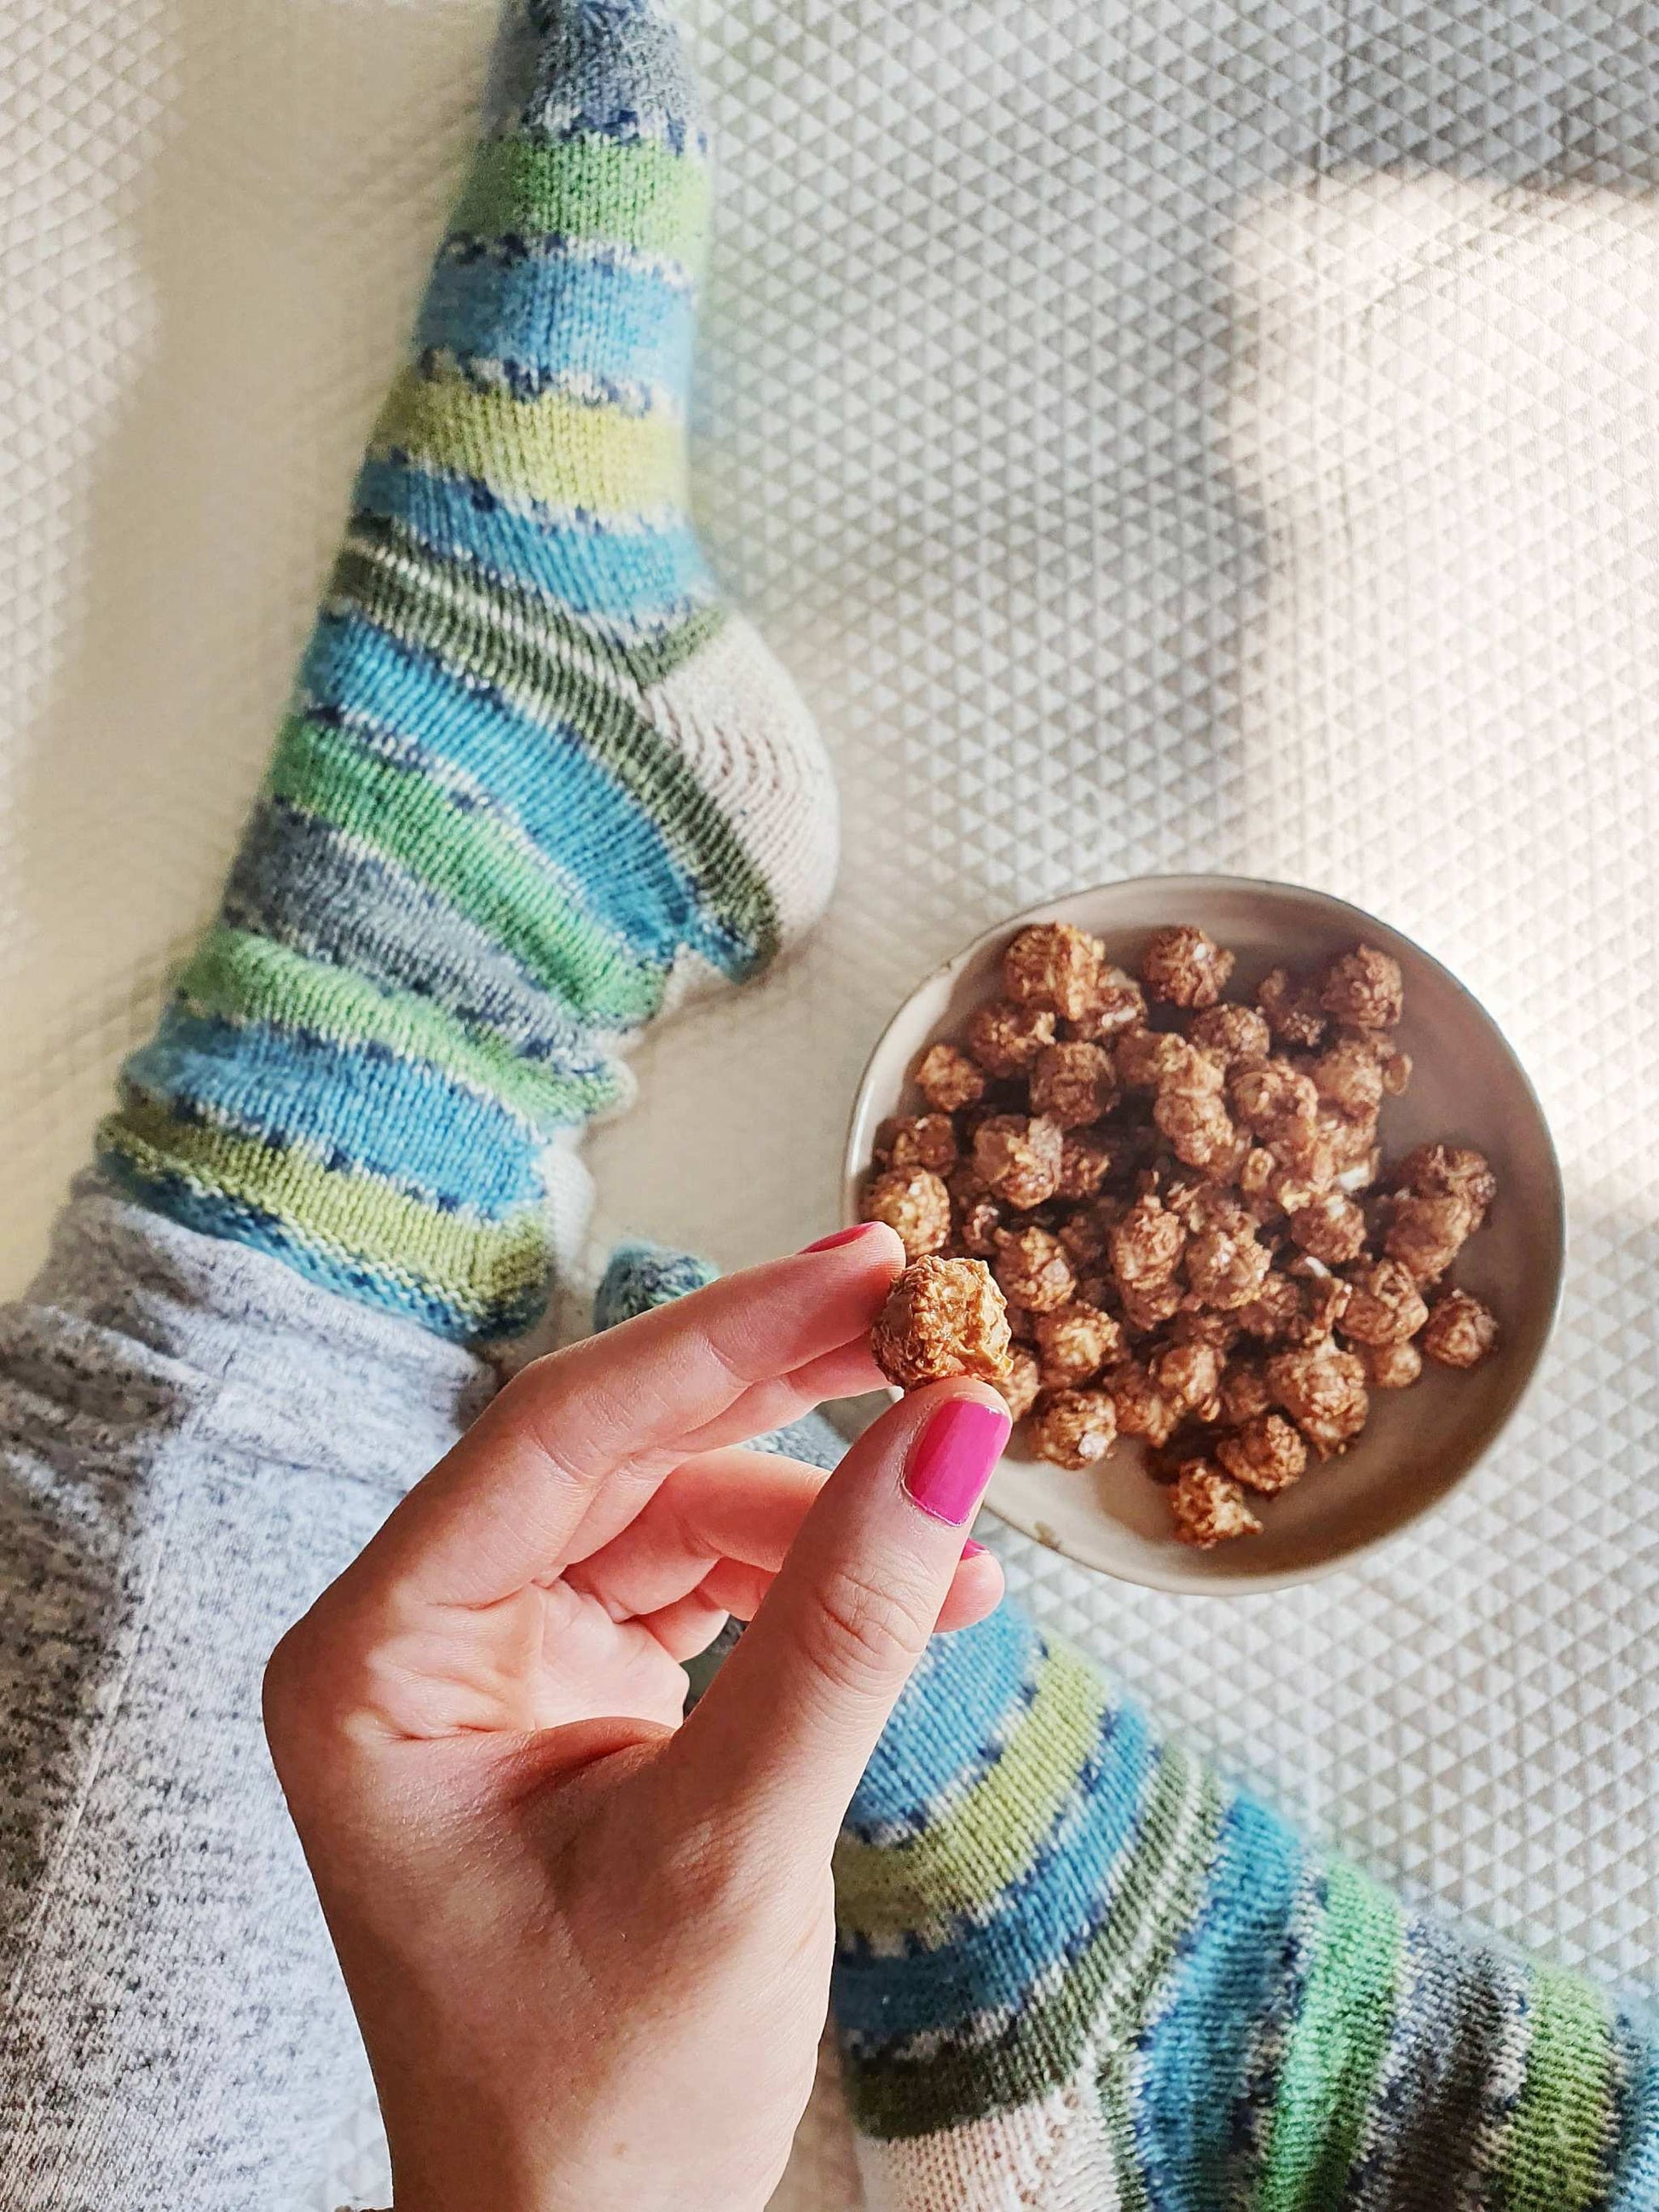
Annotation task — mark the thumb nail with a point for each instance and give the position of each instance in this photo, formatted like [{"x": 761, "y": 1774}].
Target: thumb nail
[{"x": 951, "y": 1460}]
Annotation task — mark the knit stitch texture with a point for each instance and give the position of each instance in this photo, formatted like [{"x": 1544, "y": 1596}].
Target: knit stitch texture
[
  {"x": 1076, "y": 1968},
  {"x": 1078, "y": 1972},
  {"x": 537, "y": 782}
]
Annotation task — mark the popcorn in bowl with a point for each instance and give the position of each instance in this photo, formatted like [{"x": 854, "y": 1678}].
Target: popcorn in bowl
[{"x": 1185, "y": 1202}]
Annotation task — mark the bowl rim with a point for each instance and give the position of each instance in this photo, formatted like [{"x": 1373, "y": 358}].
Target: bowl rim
[{"x": 1554, "y": 1212}]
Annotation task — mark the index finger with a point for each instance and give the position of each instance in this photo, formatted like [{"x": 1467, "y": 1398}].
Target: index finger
[{"x": 500, "y": 1510}]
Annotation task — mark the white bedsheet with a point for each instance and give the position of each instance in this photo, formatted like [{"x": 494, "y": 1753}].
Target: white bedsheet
[{"x": 1157, "y": 439}]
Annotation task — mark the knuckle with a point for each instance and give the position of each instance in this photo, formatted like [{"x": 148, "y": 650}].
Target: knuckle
[
  {"x": 704, "y": 1870},
  {"x": 287, "y": 1700},
  {"x": 862, "y": 1636},
  {"x": 709, "y": 1881},
  {"x": 305, "y": 1683},
  {"x": 282, "y": 1688},
  {"x": 734, "y": 1370}
]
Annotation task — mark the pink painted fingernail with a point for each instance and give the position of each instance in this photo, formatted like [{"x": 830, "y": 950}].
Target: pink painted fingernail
[
  {"x": 951, "y": 1460},
  {"x": 841, "y": 1236},
  {"x": 970, "y": 1550}
]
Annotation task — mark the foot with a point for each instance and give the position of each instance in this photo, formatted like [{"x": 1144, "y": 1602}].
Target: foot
[
  {"x": 1077, "y": 1969},
  {"x": 538, "y": 783}
]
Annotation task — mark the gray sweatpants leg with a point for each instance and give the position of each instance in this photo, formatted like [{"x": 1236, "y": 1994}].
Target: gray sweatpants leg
[{"x": 193, "y": 1442}]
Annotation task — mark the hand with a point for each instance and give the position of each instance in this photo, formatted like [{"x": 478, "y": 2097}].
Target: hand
[{"x": 589, "y": 1945}]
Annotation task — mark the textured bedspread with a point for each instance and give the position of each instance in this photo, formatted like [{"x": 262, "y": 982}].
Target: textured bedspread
[{"x": 1158, "y": 437}]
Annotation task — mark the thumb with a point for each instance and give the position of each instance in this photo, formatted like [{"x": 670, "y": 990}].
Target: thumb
[{"x": 790, "y": 1721}]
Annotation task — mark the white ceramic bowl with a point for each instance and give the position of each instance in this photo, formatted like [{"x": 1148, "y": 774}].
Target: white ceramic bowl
[{"x": 1467, "y": 1087}]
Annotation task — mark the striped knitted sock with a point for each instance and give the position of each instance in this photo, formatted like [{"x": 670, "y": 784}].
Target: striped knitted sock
[
  {"x": 1077, "y": 1970},
  {"x": 537, "y": 782}
]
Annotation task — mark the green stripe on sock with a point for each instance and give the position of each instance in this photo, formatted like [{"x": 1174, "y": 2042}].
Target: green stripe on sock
[
  {"x": 241, "y": 977},
  {"x": 477, "y": 1267},
  {"x": 639, "y": 195},
  {"x": 1107, "y": 1985},
  {"x": 1117, "y": 2117},
  {"x": 382, "y": 557},
  {"x": 1157, "y": 1903},
  {"x": 486, "y": 873},
  {"x": 969, "y": 1856},
  {"x": 1565, "y": 2133},
  {"x": 532, "y": 676},
  {"x": 1336, "y": 2047},
  {"x": 561, "y": 452}
]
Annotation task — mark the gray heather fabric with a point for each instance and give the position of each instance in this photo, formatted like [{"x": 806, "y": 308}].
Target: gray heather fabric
[{"x": 192, "y": 1443}]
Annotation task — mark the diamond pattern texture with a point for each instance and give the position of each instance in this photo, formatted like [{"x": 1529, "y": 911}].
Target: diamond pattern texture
[{"x": 1157, "y": 437}]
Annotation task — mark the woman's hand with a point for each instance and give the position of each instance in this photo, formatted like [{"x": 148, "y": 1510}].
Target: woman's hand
[{"x": 589, "y": 1946}]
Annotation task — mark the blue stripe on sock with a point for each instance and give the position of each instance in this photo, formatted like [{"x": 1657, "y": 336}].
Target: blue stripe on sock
[
  {"x": 607, "y": 850},
  {"x": 1638, "y": 2117},
  {"x": 1187, "y": 2118},
  {"x": 1046, "y": 1918},
  {"x": 639, "y": 1277},
  {"x": 642, "y": 580},
  {"x": 211, "y": 1214},
  {"x": 946, "y": 1728},
  {"x": 351, "y": 1106},
  {"x": 567, "y": 314}
]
